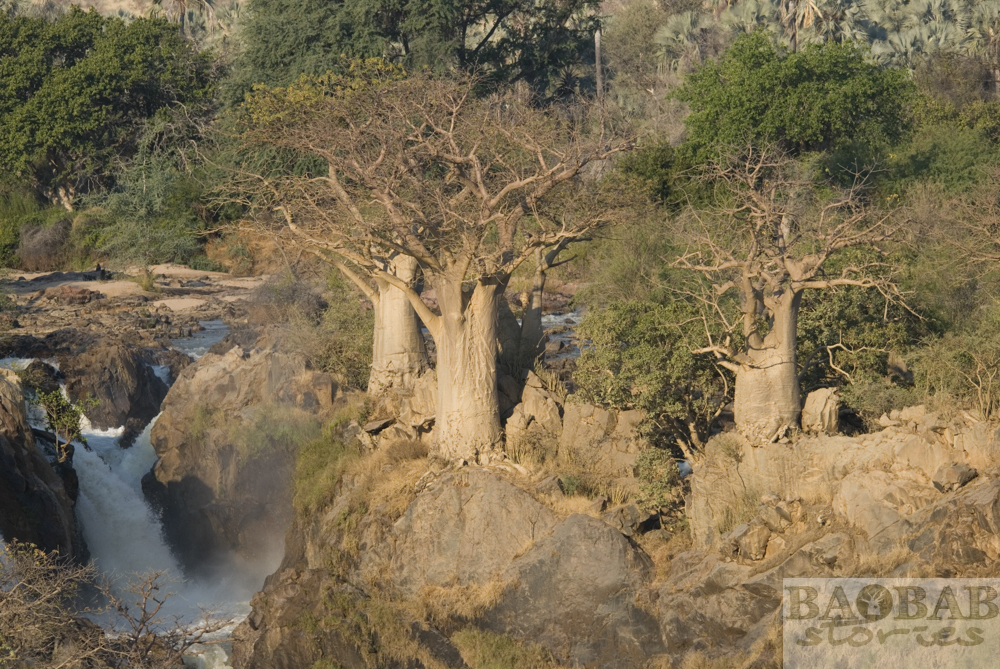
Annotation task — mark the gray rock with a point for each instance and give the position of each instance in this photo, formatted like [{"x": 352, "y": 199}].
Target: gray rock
[
  {"x": 775, "y": 520},
  {"x": 213, "y": 500},
  {"x": 575, "y": 594},
  {"x": 952, "y": 476},
  {"x": 626, "y": 518},
  {"x": 820, "y": 412},
  {"x": 376, "y": 426},
  {"x": 885, "y": 421},
  {"x": 752, "y": 545},
  {"x": 603, "y": 442},
  {"x": 465, "y": 529},
  {"x": 550, "y": 486}
]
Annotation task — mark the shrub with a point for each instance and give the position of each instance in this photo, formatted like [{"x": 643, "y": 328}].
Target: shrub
[
  {"x": 44, "y": 247},
  {"x": 659, "y": 479},
  {"x": 637, "y": 355}
]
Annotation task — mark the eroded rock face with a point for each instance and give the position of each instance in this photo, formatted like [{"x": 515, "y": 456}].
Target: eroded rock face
[
  {"x": 572, "y": 585},
  {"x": 601, "y": 440},
  {"x": 466, "y": 528},
  {"x": 34, "y": 504},
  {"x": 222, "y": 481},
  {"x": 120, "y": 378},
  {"x": 575, "y": 594}
]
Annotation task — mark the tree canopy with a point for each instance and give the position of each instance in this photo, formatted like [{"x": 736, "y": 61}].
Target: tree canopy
[
  {"x": 502, "y": 40},
  {"x": 824, "y": 97},
  {"x": 74, "y": 91}
]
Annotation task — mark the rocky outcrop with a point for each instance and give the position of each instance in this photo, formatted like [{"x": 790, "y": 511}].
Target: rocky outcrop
[
  {"x": 121, "y": 378},
  {"x": 577, "y": 586},
  {"x": 34, "y": 504},
  {"x": 576, "y": 593},
  {"x": 874, "y": 482},
  {"x": 601, "y": 441},
  {"x": 226, "y": 441}
]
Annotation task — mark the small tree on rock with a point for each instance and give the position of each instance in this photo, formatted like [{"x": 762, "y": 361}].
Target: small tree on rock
[{"x": 769, "y": 239}]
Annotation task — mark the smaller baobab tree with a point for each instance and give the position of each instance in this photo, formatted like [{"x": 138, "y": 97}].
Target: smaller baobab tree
[
  {"x": 467, "y": 187},
  {"x": 772, "y": 236}
]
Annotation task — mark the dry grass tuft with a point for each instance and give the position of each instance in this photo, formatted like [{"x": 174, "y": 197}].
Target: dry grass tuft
[
  {"x": 881, "y": 563},
  {"x": 486, "y": 650},
  {"x": 533, "y": 447},
  {"x": 743, "y": 510},
  {"x": 443, "y": 607},
  {"x": 567, "y": 505}
]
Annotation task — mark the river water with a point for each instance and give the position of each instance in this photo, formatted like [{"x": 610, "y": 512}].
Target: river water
[{"x": 125, "y": 536}]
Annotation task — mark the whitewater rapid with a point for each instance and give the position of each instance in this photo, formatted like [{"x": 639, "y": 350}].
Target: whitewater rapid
[{"x": 125, "y": 536}]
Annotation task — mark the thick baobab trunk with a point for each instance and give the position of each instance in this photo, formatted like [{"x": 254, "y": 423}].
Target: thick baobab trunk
[
  {"x": 398, "y": 352},
  {"x": 468, "y": 417},
  {"x": 767, "y": 385}
]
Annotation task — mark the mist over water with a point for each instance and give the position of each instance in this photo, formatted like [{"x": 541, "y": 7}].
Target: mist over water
[
  {"x": 121, "y": 531},
  {"x": 125, "y": 536}
]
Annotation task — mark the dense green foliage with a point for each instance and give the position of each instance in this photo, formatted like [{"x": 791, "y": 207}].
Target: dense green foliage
[
  {"x": 824, "y": 97},
  {"x": 503, "y": 40},
  {"x": 639, "y": 355},
  {"x": 74, "y": 90}
]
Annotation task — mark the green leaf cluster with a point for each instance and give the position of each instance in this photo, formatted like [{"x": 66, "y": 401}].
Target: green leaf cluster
[
  {"x": 502, "y": 40},
  {"x": 823, "y": 97},
  {"x": 74, "y": 90},
  {"x": 638, "y": 355}
]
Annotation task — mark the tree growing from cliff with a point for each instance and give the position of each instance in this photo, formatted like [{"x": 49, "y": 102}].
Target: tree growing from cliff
[
  {"x": 468, "y": 188},
  {"x": 771, "y": 237}
]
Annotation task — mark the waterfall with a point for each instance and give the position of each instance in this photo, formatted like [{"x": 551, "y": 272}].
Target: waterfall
[{"x": 121, "y": 531}]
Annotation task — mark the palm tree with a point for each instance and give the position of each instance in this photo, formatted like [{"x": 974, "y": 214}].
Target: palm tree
[
  {"x": 984, "y": 38},
  {"x": 681, "y": 39},
  {"x": 749, "y": 15},
  {"x": 836, "y": 21}
]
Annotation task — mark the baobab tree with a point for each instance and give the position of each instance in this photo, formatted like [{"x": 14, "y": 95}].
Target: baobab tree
[
  {"x": 772, "y": 237},
  {"x": 467, "y": 187}
]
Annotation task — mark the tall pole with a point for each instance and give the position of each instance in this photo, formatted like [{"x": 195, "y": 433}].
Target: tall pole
[{"x": 597, "y": 63}]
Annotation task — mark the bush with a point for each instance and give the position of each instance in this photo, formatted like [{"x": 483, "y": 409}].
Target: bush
[
  {"x": 321, "y": 464},
  {"x": 339, "y": 341},
  {"x": 44, "y": 248},
  {"x": 659, "y": 479},
  {"x": 637, "y": 355},
  {"x": 42, "y": 623},
  {"x": 964, "y": 366},
  {"x": 821, "y": 97},
  {"x": 872, "y": 397}
]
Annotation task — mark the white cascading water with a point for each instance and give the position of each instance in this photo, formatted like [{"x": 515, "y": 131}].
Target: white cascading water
[
  {"x": 124, "y": 535},
  {"x": 121, "y": 531}
]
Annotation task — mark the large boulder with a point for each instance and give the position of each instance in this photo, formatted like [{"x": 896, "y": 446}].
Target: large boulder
[
  {"x": 602, "y": 441},
  {"x": 223, "y": 478},
  {"x": 466, "y": 528},
  {"x": 575, "y": 585},
  {"x": 121, "y": 378},
  {"x": 575, "y": 594},
  {"x": 821, "y": 411},
  {"x": 34, "y": 504}
]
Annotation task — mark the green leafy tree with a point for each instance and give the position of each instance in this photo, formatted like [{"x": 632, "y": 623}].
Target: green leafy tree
[
  {"x": 504, "y": 40},
  {"x": 823, "y": 97},
  {"x": 74, "y": 91},
  {"x": 639, "y": 356},
  {"x": 63, "y": 418}
]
